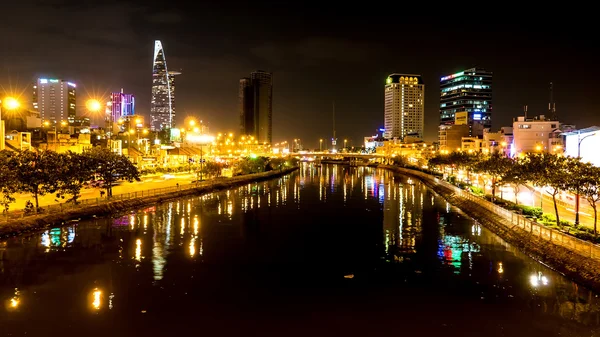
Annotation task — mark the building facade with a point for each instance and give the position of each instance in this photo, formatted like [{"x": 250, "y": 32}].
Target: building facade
[
  {"x": 162, "y": 104},
  {"x": 584, "y": 143},
  {"x": 404, "y": 96},
  {"x": 470, "y": 92},
  {"x": 450, "y": 136},
  {"x": 255, "y": 104},
  {"x": 536, "y": 134},
  {"x": 121, "y": 105},
  {"x": 55, "y": 100}
]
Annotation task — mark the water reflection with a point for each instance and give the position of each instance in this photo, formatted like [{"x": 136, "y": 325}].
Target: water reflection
[{"x": 162, "y": 250}]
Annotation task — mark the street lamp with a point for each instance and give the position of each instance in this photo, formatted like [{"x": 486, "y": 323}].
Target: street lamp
[
  {"x": 579, "y": 157},
  {"x": 9, "y": 103},
  {"x": 93, "y": 105}
]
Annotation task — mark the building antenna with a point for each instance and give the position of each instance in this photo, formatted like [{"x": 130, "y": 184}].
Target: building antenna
[
  {"x": 334, "y": 139},
  {"x": 552, "y": 104}
]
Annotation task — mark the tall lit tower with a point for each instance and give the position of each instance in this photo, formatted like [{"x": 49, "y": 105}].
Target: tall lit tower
[
  {"x": 55, "y": 100},
  {"x": 122, "y": 105},
  {"x": 469, "y": 93},
  {"x": 256, "y": 106},
  {"x": 162, "y": 104},
  {"x": 404, "y": 106}
]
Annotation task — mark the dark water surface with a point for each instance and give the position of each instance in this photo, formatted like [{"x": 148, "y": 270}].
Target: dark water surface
[{"x": 326, "y": 251}]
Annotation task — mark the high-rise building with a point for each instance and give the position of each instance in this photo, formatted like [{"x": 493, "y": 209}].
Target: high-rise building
[
  {"x": 256, "y": 106},
  {"x": 404, "y": 106},
  {"x": 467, "y": 91},
  {"x": 55, "y": 100},
  {"x": 162, "y": 105},
  {"x": 121, "y": 105}
]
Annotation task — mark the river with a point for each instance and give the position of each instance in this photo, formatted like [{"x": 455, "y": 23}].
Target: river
[{"x": 325, "y": 251}]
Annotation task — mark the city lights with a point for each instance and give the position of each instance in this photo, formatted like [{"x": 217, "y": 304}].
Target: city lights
[
  {"x": 93, "y": 105},
  {"x": 96, "y": 299},
  {"x": 10, "y": 103}
]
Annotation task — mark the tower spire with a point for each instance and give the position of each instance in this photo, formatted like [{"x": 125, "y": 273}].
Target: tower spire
[
  {"x": 551, "y": 104},
  {"x": 334, "y": 139}
]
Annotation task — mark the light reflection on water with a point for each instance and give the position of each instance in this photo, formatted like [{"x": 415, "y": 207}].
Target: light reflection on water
[{"x": 415, "y": 225}]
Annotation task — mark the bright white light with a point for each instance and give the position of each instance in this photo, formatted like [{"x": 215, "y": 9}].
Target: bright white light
[
  {"x": 533, "y": 279},
  {"x": 200, "y": 139}
]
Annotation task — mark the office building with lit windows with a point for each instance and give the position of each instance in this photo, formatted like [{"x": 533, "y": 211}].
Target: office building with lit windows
[
  {"x": 162, "y": 104},
  {"x": 467, "y": 91},
  {"x": 256, "y": 106},
  {"x": 404, "y": 106},
  {"x": 121, "y": 105},
  {"x": 55, "y": 100}
]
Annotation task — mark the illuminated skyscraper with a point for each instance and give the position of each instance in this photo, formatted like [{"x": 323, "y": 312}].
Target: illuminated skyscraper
[
  {"x": 404, "y": 106},
  {"x": 256, "y": 106},
  {"x": 55, "y": 100},
  {"x": 162, "y": 105},
  {"x": 122, "y": 105},
  {"x": 468, "y": 93}
]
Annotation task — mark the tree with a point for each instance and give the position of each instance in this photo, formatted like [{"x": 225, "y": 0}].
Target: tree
[
  {"x": 465, "y": 161},
  {"x": 495, "y": 166},
  {"x": 251, "y": 165},
  {"x": 76, "y": 170},
  {"x": 517, "y": 175},
  {"x": 8, "y": 179},
  {"x": 586, "y": 182},
  {"x": 111, "y": 167},
  {"x": 549, "y": 170},
  {"x": 209, "y": 168},
  {"x": 275, "y": 164},
  {"x": 37, "y": 173}
]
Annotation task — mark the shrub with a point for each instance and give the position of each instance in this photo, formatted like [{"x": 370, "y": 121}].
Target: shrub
[
  {"x": 565, "y": 223},
  {"x": 531, "y": 211},
  {"x": 548, "y": 217},
  {"x": 477, "y": 190}
]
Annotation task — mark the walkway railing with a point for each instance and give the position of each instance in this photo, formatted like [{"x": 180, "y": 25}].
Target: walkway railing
[
  {"x": 584, "y": 248},
  {"x": 58, "y": 207}
]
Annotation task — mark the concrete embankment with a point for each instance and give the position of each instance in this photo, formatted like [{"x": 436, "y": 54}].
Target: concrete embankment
[
  {"x": 42, "y": 221},
  {"x": 583, "y": 270}
]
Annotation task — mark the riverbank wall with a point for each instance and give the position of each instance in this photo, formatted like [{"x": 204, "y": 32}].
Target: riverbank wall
[
  {"x": 577, "y": 259},
  {"x": 43, "y": 221}
]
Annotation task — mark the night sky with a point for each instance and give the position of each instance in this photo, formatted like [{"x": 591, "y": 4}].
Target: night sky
[{"x": 317, "y": 55}]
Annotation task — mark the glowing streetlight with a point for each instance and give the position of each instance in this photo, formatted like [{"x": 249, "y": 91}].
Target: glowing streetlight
[
  {"x": 145, "y": 131},
  {"x": 96, "y": 299},
  {"x": 538, "y": 148},
  {"x": 10, "y": 103},
  {"x": 196, "y": 130},
  {"x": 192, "y": 123},
  {"x": 93, "y": 105},
  {"x": 230, "y": 135},
  {"x": 138, "y": 121},
  {"x": 63, "y": 123}
]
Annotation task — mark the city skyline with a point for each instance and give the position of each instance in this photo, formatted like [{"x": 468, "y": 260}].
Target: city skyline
[{"x": 341, "y": 61}]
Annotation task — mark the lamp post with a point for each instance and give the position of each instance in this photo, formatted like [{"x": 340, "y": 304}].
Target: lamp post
[
  {"x": 579, "y": 140},
  {"x": 9, "y": 103}
]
